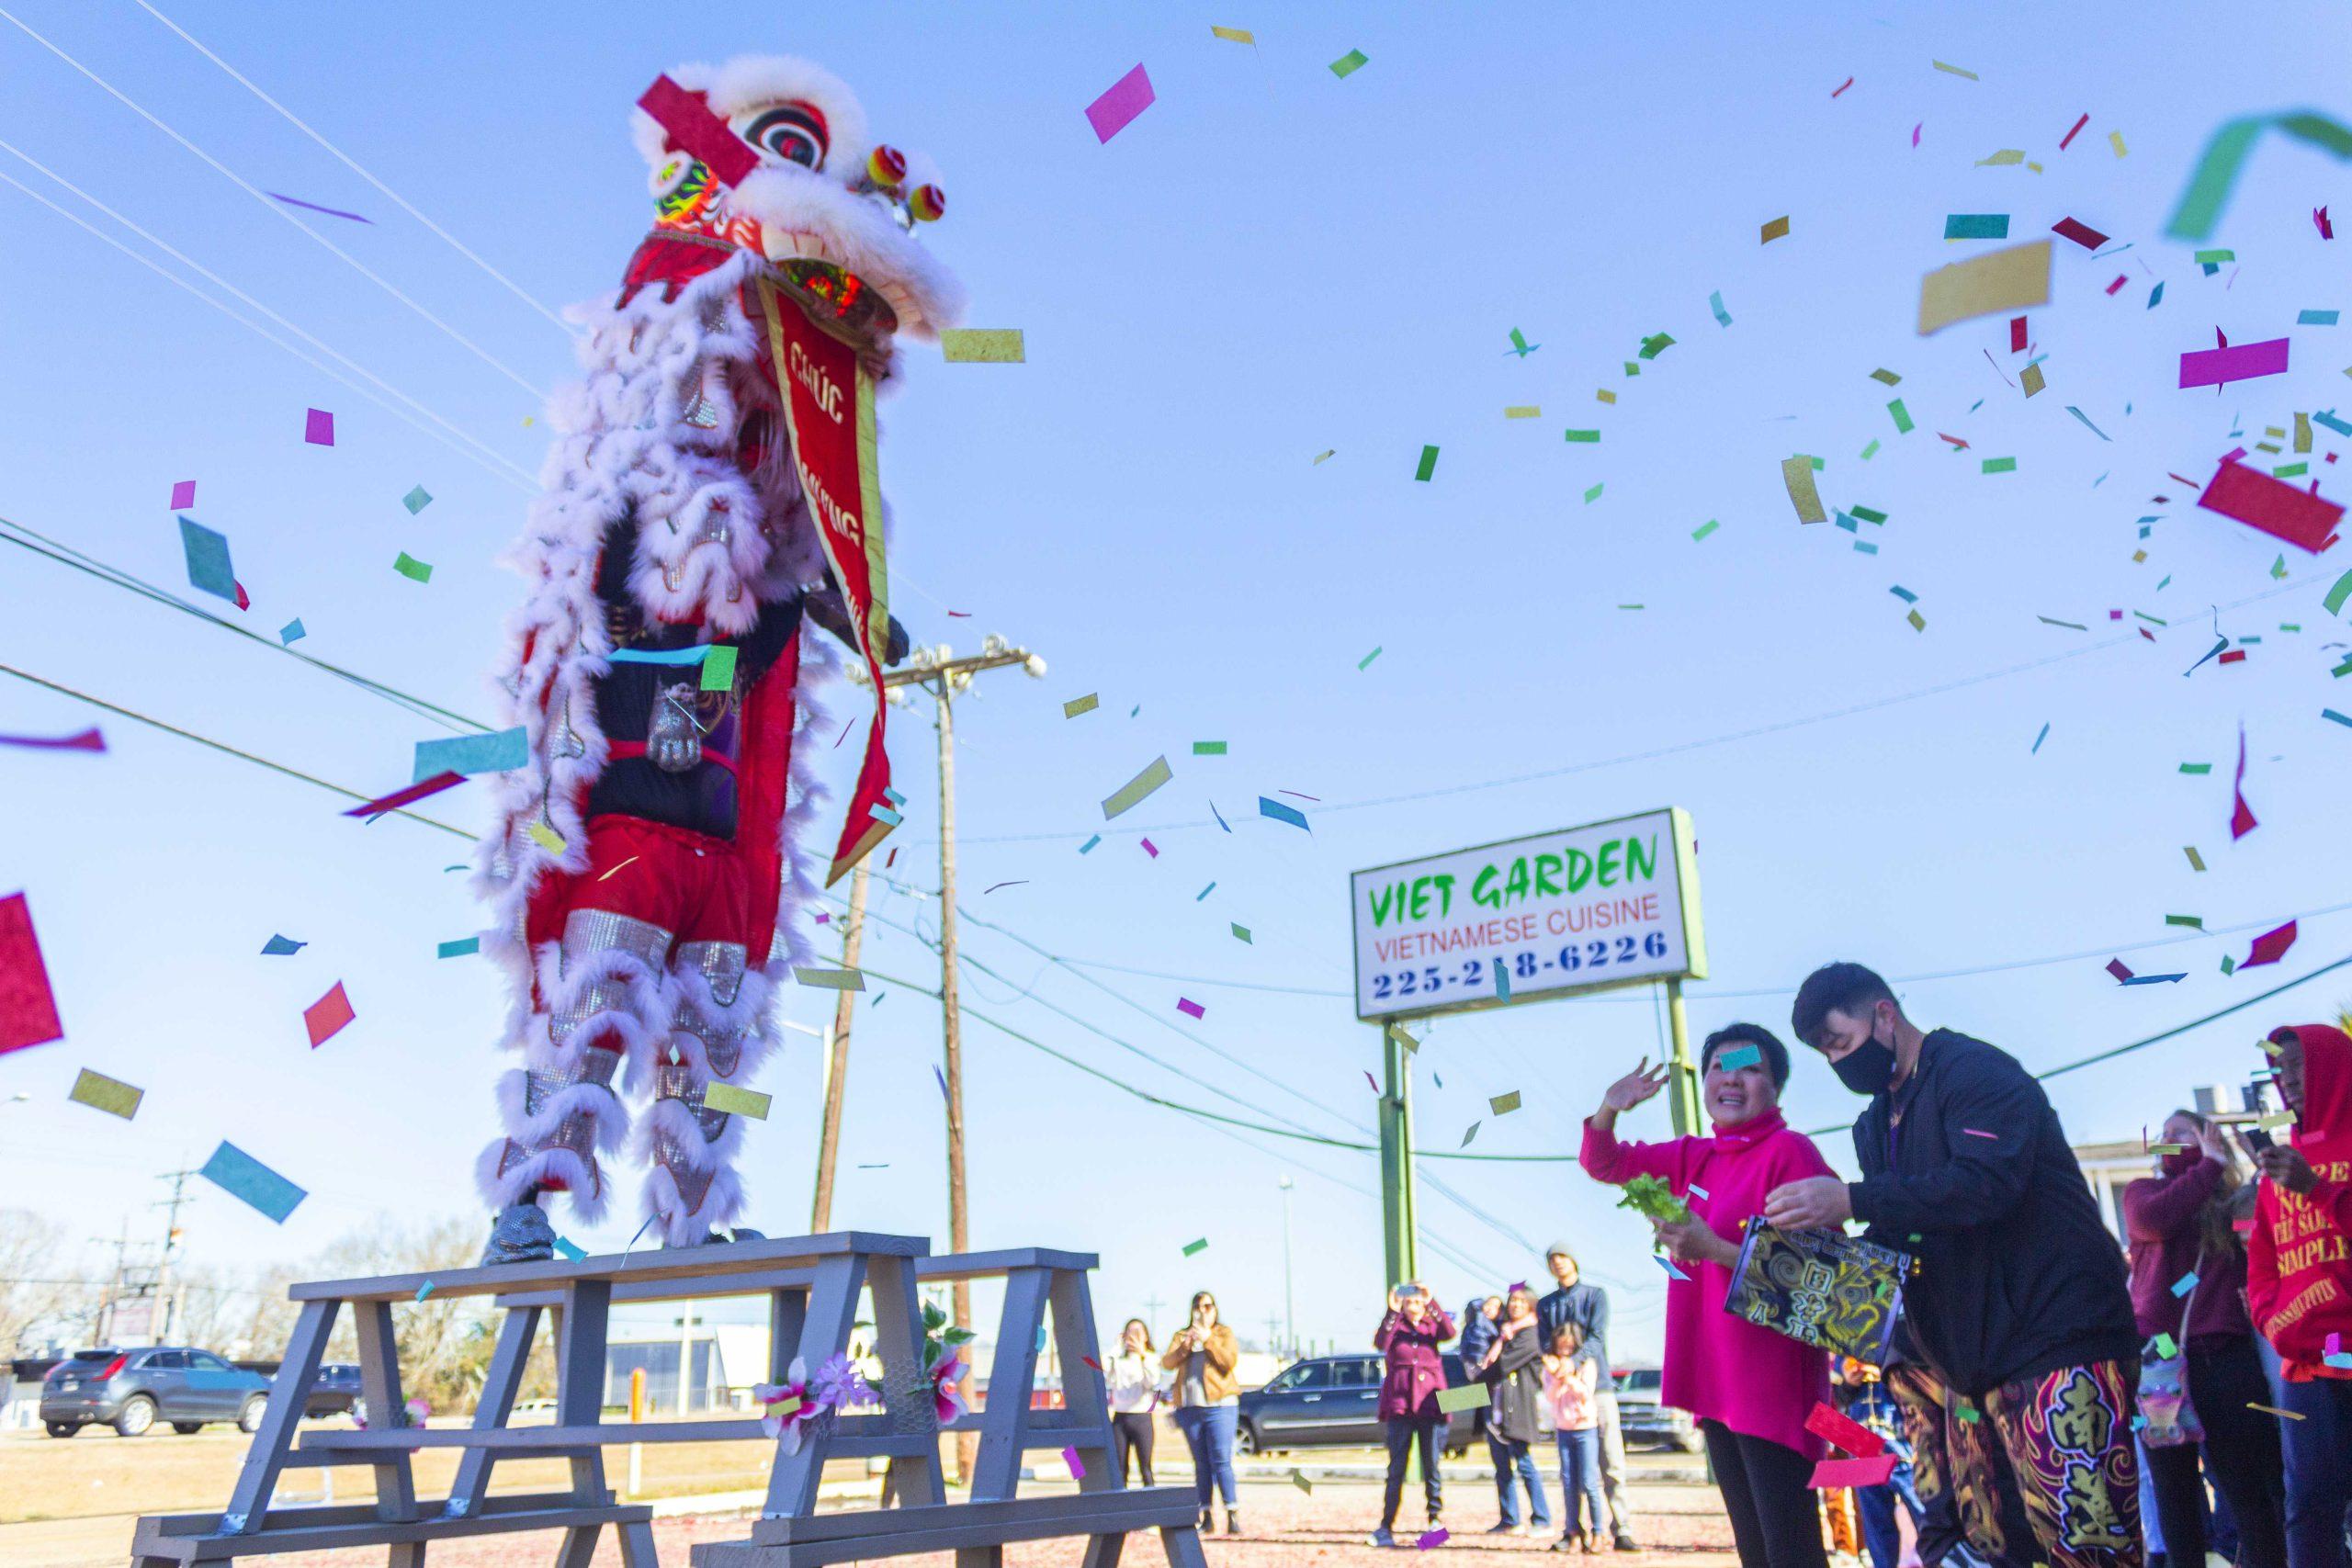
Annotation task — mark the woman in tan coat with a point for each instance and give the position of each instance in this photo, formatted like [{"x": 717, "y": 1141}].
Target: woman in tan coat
[{"x": 1208, "y": 1403}]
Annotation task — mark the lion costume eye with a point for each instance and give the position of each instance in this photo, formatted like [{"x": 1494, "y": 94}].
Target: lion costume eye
[{"x": 794, "y": 133}]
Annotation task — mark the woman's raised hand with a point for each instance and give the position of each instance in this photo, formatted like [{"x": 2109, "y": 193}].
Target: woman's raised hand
[{"x": 1635, "y": 1087}]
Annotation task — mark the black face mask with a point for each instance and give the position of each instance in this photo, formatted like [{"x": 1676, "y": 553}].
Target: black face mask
[{"x": 1867, "y": 1068}]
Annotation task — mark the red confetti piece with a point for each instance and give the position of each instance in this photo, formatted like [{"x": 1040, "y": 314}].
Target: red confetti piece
[
  {"x": 2270, "y": 946},
  {"x": 2016, "y": 334},
  {"x": 326, "y": 1017},
  {"x": 1843, "y": 85},
  {"x": 2119, "y": 283},
  {"x": 2081, "y": 233},
  {"x": 2122, "y": 971},
  {"x": 2242, "y": 820},
  {"x": 27, "y": 1006},
  {"x": 2274, "y": 506},
  {"x": 1845, "y": 1432},
  {"x": 88, "y": 740},
  {"x": 1957, "y": 443},
  {"x": 400, "y": 798},
  {"x": 2235, "y": 656},
  {"x": 2072, "y": 134},
  {"x": 694, "y": 128},
  {"x": 2319, "y": 219},
  {"x": 1832, "y": 1474}
]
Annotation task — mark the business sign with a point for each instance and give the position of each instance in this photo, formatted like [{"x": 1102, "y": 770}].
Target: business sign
[{"x": 1581, "y": 909}]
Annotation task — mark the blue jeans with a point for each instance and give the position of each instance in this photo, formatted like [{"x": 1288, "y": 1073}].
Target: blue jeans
[
  {"x": 2318, "y": 1485},
  {"x": 1580, "y": 1477},
  {"x": 1208, "y": 1431},
  {"x": 1514, "y": 1457}
]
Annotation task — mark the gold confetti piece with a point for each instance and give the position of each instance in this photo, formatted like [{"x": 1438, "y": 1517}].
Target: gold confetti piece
[
  {"x": 1918, "y": 622},
  {"x": 2195, "y": 861},
  {"x": 1999, "y": 281},
  {"x": 1235, "y": 35},
  {"x": 2115, "y": 140},
  {"x": 1132, "y": 792},
  {"x": 1327, "y": 452},
  {"x": 1605, "y": 395},
  {"x": 110, "y": 1095},
  {"x": 1797, "y": 474},
  {"x": 2004, "y": 158},
  {"x": 1956, "y": 71},
  {"x": 546, "y": 837},
  {"x": 1773, "y": 230},
  {"x": 741, "y": 1101},
  {"x": 1504, "y": 1104},
  {"x": 1469, "y": 1396},
  {"x": 2250, "y": 1405},
  {"x": 1522, "y": 411},
  {"x": 2302, "y": 433},
  {"x": 2139, "y": 557},
  {"x": 1889, "y": 376},
  {"x": 831, "y": 979},
  {"x": 1076, "y": 706},
  {"x": 2032, "y": 379},
  {"x": 982, "y": 346}
]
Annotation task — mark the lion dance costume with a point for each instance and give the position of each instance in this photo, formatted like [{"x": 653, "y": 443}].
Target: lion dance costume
[{"x": 711, "y": 488}]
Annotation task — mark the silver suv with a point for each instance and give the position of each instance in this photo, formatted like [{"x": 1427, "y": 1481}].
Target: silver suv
[{"x": 132, "y": 1389}]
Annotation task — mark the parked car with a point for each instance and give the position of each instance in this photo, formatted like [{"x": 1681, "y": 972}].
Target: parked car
[
  {"x": 1643, "y": 1419},
  {"x": 132, "y": 1389},
  {"x": 1334, "y": 1402},
  {"x": 336, "y": 1392}
]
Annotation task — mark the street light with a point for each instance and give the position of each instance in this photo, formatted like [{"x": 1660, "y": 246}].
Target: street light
[{"x": 1290, "y": 1318}]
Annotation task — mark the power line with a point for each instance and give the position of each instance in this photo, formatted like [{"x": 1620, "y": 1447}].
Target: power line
[
  {"x": 262, "y": 196},
  {"x": 348, "y": 161}
]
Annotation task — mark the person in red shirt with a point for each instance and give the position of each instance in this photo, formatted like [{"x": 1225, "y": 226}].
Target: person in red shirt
[{"x": 2299, "y": 1284}]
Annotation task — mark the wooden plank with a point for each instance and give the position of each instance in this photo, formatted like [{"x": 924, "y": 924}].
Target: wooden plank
[
  {"x": 288, "y": 1391},
  {"x": 154, "y": 1527},
  {"x": 299, "y": 1537},
  {"x": 499, "y": 1387},
  {"x": 579, "y": 1373},
  {"x": 637, "y": 1545},
  {"x": 983, "y": 1264},
  {"x": 1183, "y": 1544},
  {"x": 716, "y": 1263},
  {"x": 914, "y": 1478},
  {"x": 756, "y": 1553},
  {"x": 833, "y": 1310},
  {"x": 1069, "y": 1513},
  {"x": 1085, "y": 1399},
  {"x": 1012, "y": 1377},
  {"x": 696, "y": 1287},
  {"x": 380, "y": 1383}
]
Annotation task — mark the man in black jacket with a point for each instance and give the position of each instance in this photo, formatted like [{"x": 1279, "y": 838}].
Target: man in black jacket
[{"x": 2018, "y": 1297}]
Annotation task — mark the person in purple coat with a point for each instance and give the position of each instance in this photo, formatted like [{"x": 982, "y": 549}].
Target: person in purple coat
[{"x": 1409, "y": 1334}]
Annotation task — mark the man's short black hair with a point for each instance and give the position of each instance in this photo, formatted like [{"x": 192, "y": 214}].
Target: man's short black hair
[
  {"x": 1848, "y": 987},
  {"x": 1775, "y": 1055}
]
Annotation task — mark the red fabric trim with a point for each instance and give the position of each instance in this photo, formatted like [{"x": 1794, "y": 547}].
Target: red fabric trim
[
  {"x": 671, "y": 262},
  {"x": 763, "y": 775}
]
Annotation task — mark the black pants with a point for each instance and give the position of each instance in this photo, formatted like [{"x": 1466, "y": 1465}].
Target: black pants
[
  {"x": 1775, "y": 1521},
  {"x": 1131, "y": 1436},
  {"x": 1403, "y": 1431},
  {"x": 2241, "y": 1450}
]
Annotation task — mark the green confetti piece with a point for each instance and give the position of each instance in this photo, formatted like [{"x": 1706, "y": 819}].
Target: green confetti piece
[
  {"x": 1955, "y": 70},
  {"x": 2291, "y": 470},
  {"x": 2196, "y": 767},
  {"x": 1076, "y": 706},
  {"x": 1209, "y": 748},
  {"x": 2229, "y": 964},
  {"x": 1241, "y": 933},
  {"x": 1469, "y": 1396},
  {"x": 1703, "y": 529},
  {"x": 831, "y": 979},
  {"x": 1349, "y": 63},
  {"x": 1592, "y": 496},
  {"x": 1429, "y": 464},
  {"x": 719, "y": 668},
  {"x": 1298, "y": 1479},
  {"x": 2194, "y": 922},
  {"x": 1365, "y": 662},
  {"x": 2000, "y": 465},
  {"x": 1869, "y": 451},
  {"x": 1869, "y": 514},
  {"x": 1976, "y": 226},
  {"x": 417, "y": 500},
  {"x": 415, "y": 571},
  {"x": 1194, "y": 1249},
  {"x": 2224, "y": 156},
  {"x": 1656, "y": 344},
  {"x": 1903, "y": 425},
  {"x": 1583, "y": 435}
]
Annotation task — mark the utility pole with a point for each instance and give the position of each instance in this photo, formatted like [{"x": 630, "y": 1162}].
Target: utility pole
[
  {"x": 1151, "y": 1304},
  {"x": 114, "y": 1290},
  {"x": 941, "y": 673},
  {"x": 828, "y": 1137},
  {"x": 1290, "y": 1306},
  {"x": 179, "y": 1180}
]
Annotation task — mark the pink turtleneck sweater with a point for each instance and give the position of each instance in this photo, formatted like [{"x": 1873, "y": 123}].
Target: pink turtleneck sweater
[{"x": 1718, "y": 1367}]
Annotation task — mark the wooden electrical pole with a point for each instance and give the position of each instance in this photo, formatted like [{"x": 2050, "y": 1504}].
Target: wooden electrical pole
[{"x": 828, "y": 1137}]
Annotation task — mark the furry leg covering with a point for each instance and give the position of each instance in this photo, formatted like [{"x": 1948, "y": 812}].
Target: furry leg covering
[{"x": 719, "y": 1033}]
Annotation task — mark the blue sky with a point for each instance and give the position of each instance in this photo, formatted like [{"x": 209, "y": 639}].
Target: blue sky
[{"x": 1269, "y": 263}]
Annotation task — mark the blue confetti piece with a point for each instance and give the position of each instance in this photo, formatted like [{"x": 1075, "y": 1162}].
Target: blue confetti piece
[
  {"x": 242, "y": 1175},
  {"x": 1090, "y": 843},
  {"x": 493, "y": 753},
  {"x": 2039, "y": 738},
  {"x": 893, "y": 796},
  {"x": 570, "y": 1250},
  {"x": 1715, "y": 303},
  {"x": 2154, "y": 979},
  {"x": 1502, "y": 982},
  {"x": 292, "y": 632},
  {"x": 680, "y": 656},
  {"x": 2316, "y": 318},
  {"x": 1667, "y": 1264},
  {"x": 2327, "y": 417},
  {"x": 1220, "y": 817},
  {"x": 2155, "y": 294},
  {"x": 941, "y": 1076},
  {"x": 207, "y": 559},
  {"x": 281, "y": 946},
  {"x": 1904, "y": 594},
  {"x": 884, "y": 813},
  {"x": 461, "y": 947},
  {"x": 1204, "y": 893},
  {"x": 2094, "y": 429},
  {"x": 2331, "y": 713},
  {"x": 1281, "y": 813},
  {"x": 2186, "y": 1284},
  {"x": 1738, "y": 1056}
]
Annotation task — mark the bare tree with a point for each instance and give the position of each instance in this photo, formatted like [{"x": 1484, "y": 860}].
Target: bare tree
[
  {"x": 39, "y": 1292},
  {"x": 444, "y": 1345}
]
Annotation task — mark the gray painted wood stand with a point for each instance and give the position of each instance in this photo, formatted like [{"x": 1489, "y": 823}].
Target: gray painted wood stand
[{"x": 813, "y": 1285}]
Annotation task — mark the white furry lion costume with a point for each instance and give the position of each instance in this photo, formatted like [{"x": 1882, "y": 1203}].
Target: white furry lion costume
[{"x": 649, "y": 866}]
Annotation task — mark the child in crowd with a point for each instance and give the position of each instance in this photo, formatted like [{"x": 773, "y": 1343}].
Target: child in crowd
[{"x": 1571, "y": 1380}]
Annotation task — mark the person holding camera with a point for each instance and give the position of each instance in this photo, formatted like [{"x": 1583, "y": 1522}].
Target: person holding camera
[
  {"x": 1134, "y": 1385},
  {"x": 1408, "y": 1336},
  {"x": 2299, "y": 1283},
  {"x": 1208, "y": 1403},
  {"x": 2188, "y": 1286}
]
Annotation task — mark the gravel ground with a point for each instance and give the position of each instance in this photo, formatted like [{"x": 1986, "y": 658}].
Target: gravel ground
[{"x": 1681, "y": 1524}]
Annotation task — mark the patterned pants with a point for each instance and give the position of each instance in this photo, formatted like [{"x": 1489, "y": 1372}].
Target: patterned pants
[{"x": 2055, "y": 1449}]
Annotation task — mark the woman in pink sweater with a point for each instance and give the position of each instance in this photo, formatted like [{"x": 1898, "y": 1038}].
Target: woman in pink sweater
[{"x": 1749, "y": 1388}]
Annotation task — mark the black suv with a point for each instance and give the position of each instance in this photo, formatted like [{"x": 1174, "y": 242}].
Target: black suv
[{"x": 1334, "y": 1402}]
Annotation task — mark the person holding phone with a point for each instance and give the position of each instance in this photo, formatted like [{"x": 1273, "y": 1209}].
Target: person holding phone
[
  {"x": 1514, "y": 1373},
  {"x": 2188, "y": 1285},
  {"x": 1133, "y": 1379},
  {"x": 1408, "y": 1336},
  {"x": 1208, "y": 1403}
]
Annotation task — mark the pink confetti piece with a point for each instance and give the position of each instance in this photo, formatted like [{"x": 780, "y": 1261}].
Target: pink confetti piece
[
  {"x": 1117, "y": 107},
  {"x": 318, "y": 428},
  {"x": 1843, "y": 85},
  {"x": 2120, "y": 279},
  {"x": 1189, "y": 1008},
  {"x": 1370, "y": 1080},
  {"x": 1152, "y": 849},
  {"x": 326, "y": 1017},
  {"x": 1915, "y": 133},
  {"x": 1077, "y": 1465},
  {"x": 2072, "y": 134},
  {"x": 87, "y": 740},
  {"x": 330, "y": 211},
  {"x": 2214, "y": 367},
  {"x": 183, "y": 495},
  {"x": 1974, "y": 1134},
  {"x": 1433, "y": 1538}
]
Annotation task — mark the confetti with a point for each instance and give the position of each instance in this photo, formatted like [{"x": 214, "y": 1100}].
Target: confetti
[
  {"x": 2186, "y": 1284},
  {"x": 417, "y": 500},
  {"x": 2315, "y": 319},
  {"x": 1281, "y": 813},
  {"x": 2038, "y": 739},
  {"x": 1235, "y": 35},
  {"x": 291, "y": 632},
  {"x": 1189, "y": 1008},
  {"x": 493, "y": 753},
  {"x": 84, "y": 741},
  {"x": 1137, "y": 789},
  {"x": 1469, "y": 1396},
  {"x": 415, "y": 571},
  {"x": 1504, "y": 1104},
  {"x": 1956, "y": 71},
  {"x": 1829, "y": 1474},
  {"x": 1120, "y": 103},
  {"x": 314, "y": 207},
  {"x": 2115, "y": 140},
  {"x": 2006, "y": 157},
  {"x": 1583, "y": 435},
  {"x": 1902, "y": 416},
  {"x": 1997, "y": 283},
  {"x": 102, "y": 1093},
  {"x": 989, "y": 345},
  {"x": 1775, "y": 229},
  {"x": 2270, "y": 946},
  {"x": 1365, "y": 662},
  {"x": 423, "y": 787},
  {"x": 2215, "y": 366},
  {"x": 1205, "y": 892},
  {"x": 570, "y": 1250},
  {"x": 1703, "y": 529},
  {"x": 1070, "y": 1458},
  {"x": 2081, "y": 233},
  {"x": 831, "y": 979},
  {"x": 1715, "y": 303},
  {"x": 546, "y": 838},
  {"x": 1976, "y": 226},
  {"x": 2272, "y": 505},
  {"x": 1241, "y": 933},
  {"x": 281, "y": 947},
  {"x": 1796, "y": 474},
  {"x": 1429, "y": 1539},
  {"x": 1738, "y": 1056},
  {"x": 1076, "y": 706},
  {"x": 240, "y": 1176},
  {"x": 207, "y": 559},
  {"x": 1347, "y": 64},
  {"x": 1327, "y": 452},
  {"x": 1298, "y": 1479},
  {"x": 327, "y": 1016},
  {"x": 1194, "y": 1249},
  {"x": 318, "y": 427},
  {"x": 2031, "y": 379},
  {"x": 725, "y": 1097},
  {"x": 2070, "y": 136},
  {"x": 1428, "y": 463},
  {"x": 2094, "y": 429},
  {"x": 1090, "y": 843},
  {"x": 461, "y": 947},
  {"x": 1520, "y": 345},
  {"x": 1999, "y": 465},
  {"x": 1523, "y": 411}
]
